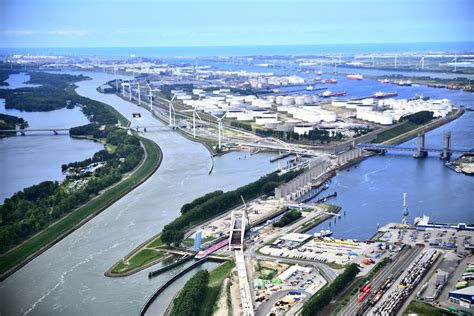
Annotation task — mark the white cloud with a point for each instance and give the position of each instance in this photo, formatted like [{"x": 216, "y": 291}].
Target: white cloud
[{"x": 54, "y": 32}]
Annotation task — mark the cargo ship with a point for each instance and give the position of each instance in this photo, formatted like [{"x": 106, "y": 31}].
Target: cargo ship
[
  {"x": 436, "y": 85},
  {"x": 381, "y": 95},
  {"x": 355, "y": 77},
  {"x": 328, "y": 93},
  {"x": 329, "y": 81}
]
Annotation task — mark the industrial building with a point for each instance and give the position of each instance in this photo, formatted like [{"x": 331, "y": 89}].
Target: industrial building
[{"x": 463, "y": 297}]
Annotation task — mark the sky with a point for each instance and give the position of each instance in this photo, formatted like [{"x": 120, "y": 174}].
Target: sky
[{"x": 168, "y": 23}]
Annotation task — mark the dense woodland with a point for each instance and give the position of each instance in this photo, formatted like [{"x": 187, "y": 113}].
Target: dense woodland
[
  {"x": 287, "y": 218},
  {"x": 51, "y": 95},
  {"x": 189, "y": 300},
  {"x": 317, "y": 302},
  {"x": 217, "y": 204},
  {"x": 12, "y": 122},
  {"x": 32, "y": 209}
]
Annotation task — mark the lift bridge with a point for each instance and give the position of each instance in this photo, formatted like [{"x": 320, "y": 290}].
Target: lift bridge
[{"x": 421, "y": 151}]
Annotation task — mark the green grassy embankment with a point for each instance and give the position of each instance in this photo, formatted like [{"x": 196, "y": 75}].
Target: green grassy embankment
[
  {"x": 420, "y": 308},
  {"x": 214, "y": 287},
  {"x": 19, "y": 256}
]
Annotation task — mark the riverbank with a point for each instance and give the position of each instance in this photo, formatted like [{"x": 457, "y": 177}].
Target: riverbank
[
  {"x": 34, "y": 246},
  {"x": 38, "y": 242}
]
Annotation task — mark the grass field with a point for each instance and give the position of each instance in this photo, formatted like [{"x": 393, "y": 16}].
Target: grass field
[
  {"x": 71, "y": 221},
  {"x": 420, "y": 308},
  {"x": 396, "y": 131},
  {"x": 143, "y": 257},
  {"x": 216, "y": 278}
]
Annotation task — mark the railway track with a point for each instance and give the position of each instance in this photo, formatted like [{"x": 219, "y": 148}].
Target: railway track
[{"x": 392, "y": 270}]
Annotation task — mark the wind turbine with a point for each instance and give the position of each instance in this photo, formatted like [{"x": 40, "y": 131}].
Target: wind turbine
[
  {"x": 115, "y": 76},
  {"x": 195, "y": 113},
  {"x": 171, "y": 110},
  {"x": 139, "y": 94},
  {"x": 220, "y": 128},
  {"x": 150, "y": 96}
]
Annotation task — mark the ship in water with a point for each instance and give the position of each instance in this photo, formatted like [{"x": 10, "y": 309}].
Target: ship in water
[
  {"x": 453, "y": 86},
  {"x": 381, "y": 95},
  {"x": 404, "y": 83},
  {"x": 355, "y": 77},
  {"x": 323, "y": 233},
  {"x": 329, "y": 93},
  {"x": 329, "y": 81},
  {"x": 384, "y": 80}
]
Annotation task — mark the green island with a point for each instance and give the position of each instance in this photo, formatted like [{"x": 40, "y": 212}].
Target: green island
[
  {"x": 11, "y": 122},
  {"x": 38, "y": 216},
  {"x": 200, "y": 294},
  {"x": 193, "y": 213}
]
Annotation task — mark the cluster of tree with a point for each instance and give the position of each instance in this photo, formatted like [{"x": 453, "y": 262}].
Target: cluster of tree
[
  {"x": 29, "y": 211},
  {"x": 316, "y": 303},
  {"x": 188, "y": 206},
  {"x": 288, "y": 218},
  {"x": 312, "y": 136},
  {"x": 173, "y": 232},
  {"x": 359, "y": 131},
  {"x": 241, "y": 125},
  {"x": 166, "y": 89},
  {"x": 11, "y": 122},
  {"x": 189, "y": 300},
  {"x": 127, "y": 147},
  {"x": 419, "y": 118},
  {"x": 34, "y": 208},
  {"x": 50, "y": 95}
]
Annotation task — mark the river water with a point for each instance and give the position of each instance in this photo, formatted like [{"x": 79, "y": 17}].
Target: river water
[
  {"x": 38, "y": 157},
  {"x": 68, "y": 278}
]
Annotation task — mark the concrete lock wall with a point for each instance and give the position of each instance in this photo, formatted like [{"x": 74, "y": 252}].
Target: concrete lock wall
[{"x": 302, "y": 183}]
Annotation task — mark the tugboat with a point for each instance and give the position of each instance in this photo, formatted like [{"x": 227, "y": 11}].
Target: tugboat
[{"x": 453, "y": 86}]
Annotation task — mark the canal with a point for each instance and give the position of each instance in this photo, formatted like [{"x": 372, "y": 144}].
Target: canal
[{"x": 68, "y": 278}]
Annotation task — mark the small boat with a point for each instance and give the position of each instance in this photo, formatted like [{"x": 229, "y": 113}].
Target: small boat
[
  {"x": 329, "y": 81},
  {"x": 384, "y": 80},
  {"x": 381, "y": 95},
  {"x": 355, "y": 77},
  {"x": 309, "y": 88},
  {"x": 328, "y": 93},
  {"x": 323, "y": 233},
  {"x": 404, "y": 83},
  {"x": 453, "y": 86}
]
